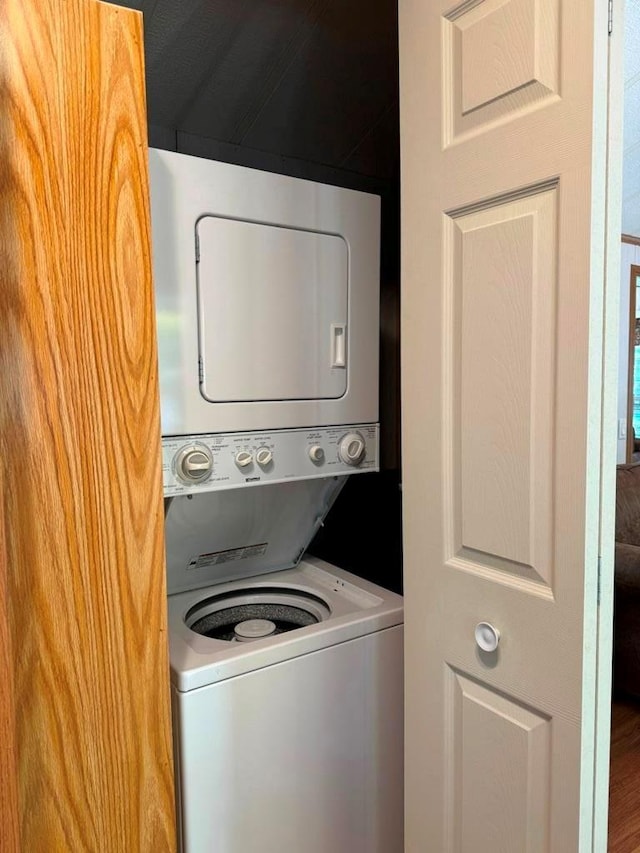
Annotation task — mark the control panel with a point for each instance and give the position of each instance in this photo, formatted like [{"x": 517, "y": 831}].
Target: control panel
[{"x": 203, "y": 463}]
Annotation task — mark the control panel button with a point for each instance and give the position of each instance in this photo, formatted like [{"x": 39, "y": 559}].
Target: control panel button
[
  {"x": 316, "y": 454},
  {"x": 264, "y": 456},
  {"x": 193, "y": 464},
  {"x": 243, "y": 458},
  {"x": 352, "y": 448}
]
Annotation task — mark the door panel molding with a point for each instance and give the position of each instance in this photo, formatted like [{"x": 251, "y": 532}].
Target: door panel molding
[
  {"x": 488, "y": 736},
  {"x": 500, "y": 304},
  {"x": 500, "y": 59}
]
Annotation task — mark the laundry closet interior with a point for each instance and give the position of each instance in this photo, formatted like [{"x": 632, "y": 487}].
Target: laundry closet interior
[{"x": 274, "y": 182}]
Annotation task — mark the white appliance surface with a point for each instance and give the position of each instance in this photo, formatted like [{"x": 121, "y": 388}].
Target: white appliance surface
[
  {"x": 293, "y": 454},
  {"x": 286, "y": 671},
  {"x": 355, "y": 608},
  {"x": 305, "y": 756},
  {"x": 293, "y": 742},
  {"x": 223, "y": 536},
  {"x": 267, "y": 299},
  {"x": 291, "y": 312}
]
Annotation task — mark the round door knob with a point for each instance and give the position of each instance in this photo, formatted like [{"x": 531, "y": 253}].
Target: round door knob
[
  {"x": 243, "y": 459},
  {"x": 487, "y": 637},
  {"x": 193, "y": 464},
  {"x": 352, "y": 448},
  {"x": 316, "y": 454},
  {"x": 264, "y": 456}
]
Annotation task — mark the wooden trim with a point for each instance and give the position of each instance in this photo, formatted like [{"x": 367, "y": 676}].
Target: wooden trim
[
  {"x": 629, "y": 238},
  {"x": 634, "y": 273},
  {"x": 84, "y": 640}
]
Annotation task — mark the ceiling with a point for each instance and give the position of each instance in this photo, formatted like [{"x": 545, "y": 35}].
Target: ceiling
[
  {"x": 310, "y": 80},
  {"x": 631, "y": 163}
]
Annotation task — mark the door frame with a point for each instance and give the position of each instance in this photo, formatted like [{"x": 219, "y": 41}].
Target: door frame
[{"x": 609, "y": 431}]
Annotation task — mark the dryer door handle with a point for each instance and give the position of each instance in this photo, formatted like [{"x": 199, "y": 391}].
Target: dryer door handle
[{"x": 338, "y": 345}]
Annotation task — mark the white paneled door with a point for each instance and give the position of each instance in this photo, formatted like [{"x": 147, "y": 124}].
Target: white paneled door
[{"x": 506, "y": 375}]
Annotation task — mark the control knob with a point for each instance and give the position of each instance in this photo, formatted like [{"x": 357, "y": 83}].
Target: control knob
[
  {"x": 316, "y": 454},
  {"x": 243, "y": 458},
  {"x": 193, "y": 464},
  {"x": 352, "y": 448},
  {"x": 264, "y": 456}
]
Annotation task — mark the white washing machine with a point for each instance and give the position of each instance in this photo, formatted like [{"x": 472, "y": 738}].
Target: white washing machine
[
  {"x": 286, "y": 681},
  {"x": 286, "y": 672}
]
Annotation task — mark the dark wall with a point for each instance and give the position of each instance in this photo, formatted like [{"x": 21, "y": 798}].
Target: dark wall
[{"x": 363, "y": 531}]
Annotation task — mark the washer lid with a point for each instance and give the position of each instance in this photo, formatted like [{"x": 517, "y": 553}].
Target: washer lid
[{"x": 227, "y": 535}]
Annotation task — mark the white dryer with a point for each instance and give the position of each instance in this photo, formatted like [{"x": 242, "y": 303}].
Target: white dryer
[
  {"x": 267, "y": 299},
  {"x": 286, "y": 681},
  {"x": 267, "y": 295}
]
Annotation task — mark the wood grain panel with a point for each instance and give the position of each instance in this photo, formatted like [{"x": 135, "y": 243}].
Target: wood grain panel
[{"x": 79, "y": 434}]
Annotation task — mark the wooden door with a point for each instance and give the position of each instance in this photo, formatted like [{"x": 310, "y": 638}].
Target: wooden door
[
  {"x": 85, "y": 744},
  {"x": 504, "y": 151}
]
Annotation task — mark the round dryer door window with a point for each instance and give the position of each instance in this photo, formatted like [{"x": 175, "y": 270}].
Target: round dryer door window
[{"x": 254, "y": 614}]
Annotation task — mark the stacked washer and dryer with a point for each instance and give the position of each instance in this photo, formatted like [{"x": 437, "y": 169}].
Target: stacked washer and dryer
[{"x": 286, "y": 671}]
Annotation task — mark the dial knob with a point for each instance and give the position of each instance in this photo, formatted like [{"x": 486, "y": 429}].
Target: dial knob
[
  {"x": 352, "y": 448},
  {"x": 316, "y": 454},
  {"x": 243, "y": 458},
  {"x": 264, "y": 456},
  {"x": 193, "y": 464}
]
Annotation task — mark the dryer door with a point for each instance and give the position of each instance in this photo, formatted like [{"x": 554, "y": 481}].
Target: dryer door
[{"x": 272, "y": 306}]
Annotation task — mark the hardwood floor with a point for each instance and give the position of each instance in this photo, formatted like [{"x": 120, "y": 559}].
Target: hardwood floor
[{"x": 624, "y": 791}]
